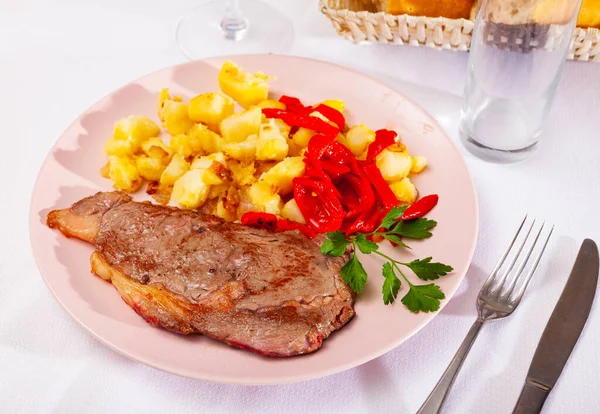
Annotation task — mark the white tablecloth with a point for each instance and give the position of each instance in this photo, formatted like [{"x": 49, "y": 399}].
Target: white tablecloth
[{"x": 57, "y": 58}]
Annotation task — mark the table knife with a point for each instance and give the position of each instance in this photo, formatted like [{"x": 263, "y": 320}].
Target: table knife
[{"x": 562, "y": 331}]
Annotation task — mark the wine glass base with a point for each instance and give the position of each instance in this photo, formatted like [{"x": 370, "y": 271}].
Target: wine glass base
[{"x": 199, "y": 33}]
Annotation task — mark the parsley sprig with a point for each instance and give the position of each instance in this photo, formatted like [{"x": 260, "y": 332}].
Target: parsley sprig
[{"x": 419, "y": 298}]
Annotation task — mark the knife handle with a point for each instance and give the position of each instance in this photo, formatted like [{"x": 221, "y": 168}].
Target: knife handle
[{"x": 532, "y": 399}]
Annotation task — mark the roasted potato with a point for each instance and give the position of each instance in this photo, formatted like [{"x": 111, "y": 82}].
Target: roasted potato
[
  {"x": 418, "y": 164},
  {"x": 394, "y": 166},
  {"x": 271, "y": 143},
  {"x": 404, "y": 190},
  {"x": 150, "y": 168},
  {"x": 175, "y": 117},
  {"x": 156, "y": 148},
  {"x": 190, "y": 190},
  {"x": 136, "y": 129},
  {"x": 291, "y": 212},
  {"x": 176, "y": 168},
  {"x": 245, "y": 88},
  {"x": 124, "y": 174},
  {"x": 210, "y": 108},
  {"x": 358, "y": 139},
  {"x": 270, "y": 103},
  {"x": 209, "y": 141},
  {"x": 242, "y": 151},
  {"x": 302, "y": 136},
  {"x": 265, "y": 197},
  {"x": 282, "y": 174},
  {"x": 238, "y": 127}
]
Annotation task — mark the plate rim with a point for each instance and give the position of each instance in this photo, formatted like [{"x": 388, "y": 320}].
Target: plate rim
[{"x": 34, "y": 221}]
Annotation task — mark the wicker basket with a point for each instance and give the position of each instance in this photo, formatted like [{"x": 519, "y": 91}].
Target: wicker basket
[{"x": 362, "y": 21}]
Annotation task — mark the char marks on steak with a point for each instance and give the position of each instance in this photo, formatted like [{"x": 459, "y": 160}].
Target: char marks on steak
[{"x": 274, "y": 294}]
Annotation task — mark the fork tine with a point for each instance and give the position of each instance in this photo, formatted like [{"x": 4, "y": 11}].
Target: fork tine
[
  {"x": 521, "y": 291},
  {"x": 519, "y": 271},
  {"x": 500, "y": 284},
  {"x": 500, "y": 262}
]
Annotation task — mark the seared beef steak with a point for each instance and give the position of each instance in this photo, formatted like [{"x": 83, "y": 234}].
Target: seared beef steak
[{"x": 274, "y": 294}]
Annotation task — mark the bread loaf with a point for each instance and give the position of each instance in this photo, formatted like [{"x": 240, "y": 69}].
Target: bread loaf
[{"x": 504, "y": 11}]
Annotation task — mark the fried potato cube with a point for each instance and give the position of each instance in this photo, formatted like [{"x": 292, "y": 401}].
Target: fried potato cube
[
  {"x": 271, "y": 143},
  {"x": 282, "y": 174},
  {"x": 242, "y": 151},
  {"x": 283, "y": 127},
  {"x": 185, "y": 145},
  {"x": 206, "y": 161},
  {"x": 119, "y": 147},
  {"x": 175, "y": 117},
  {"x": 238, "y": 127},
  {"x": 291, "y": 211},
  {"x": 418, "y": 164},
  {"x": 156, "y": 148},
  {"x": 404, "y": 190},
  {"x": 150, "y": 168},
  {"x": 394, "y": 166},
  {"x": 265, "y": 197},
  {"x": 190, "y": 190},
  {"x": 105, "y": 170},
  {"x": 208, "y": 140},
  {"x": 358, "y": 139},
  {"x": 242, "y": 172},
  {"x": 124, "y": 174},
  {"x": 136, "y": 129},
  {"x": 217, "y": 191},
  {"x": 335, "y": 104},
  {"x": 271, "y": 103},
  {"x": 210, "y": 108},
  {"x": 221, "y": 211},
  {"x": 245, "y": 88},
  {"x": 176, "y": 168},
  {"x": 302, "y": 136}
]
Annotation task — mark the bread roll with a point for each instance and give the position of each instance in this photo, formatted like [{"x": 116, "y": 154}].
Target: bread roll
[
  {"x": 530, "y": 11},
  {"x": 452, "y": 9}
]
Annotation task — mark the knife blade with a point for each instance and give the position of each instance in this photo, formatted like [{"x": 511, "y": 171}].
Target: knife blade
[{"x": 562, "y": 330}]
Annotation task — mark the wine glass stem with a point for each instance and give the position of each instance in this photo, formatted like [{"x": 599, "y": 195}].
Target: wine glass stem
[{"x": 234, "y": 25}]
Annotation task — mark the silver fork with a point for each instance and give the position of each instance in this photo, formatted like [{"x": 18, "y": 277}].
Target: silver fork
[{"x": 497, "y": 299}]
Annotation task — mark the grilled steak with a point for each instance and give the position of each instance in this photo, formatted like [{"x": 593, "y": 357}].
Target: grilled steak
[{"x": 274, "y": 294}]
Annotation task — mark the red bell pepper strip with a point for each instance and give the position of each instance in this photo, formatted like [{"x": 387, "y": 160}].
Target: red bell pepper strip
[
  {"x": 332, "y": 114},
  {"x": 383, "y": 139},
  {"x": 339, "y": 153},
  {"x": 300, "y": 120},
  {"x": 420, "y": 208},
  {"x": 260, "y": 220},
  {"x": 294, "y": 105},
  {"x": 287, "y": 225},
  {"x": 318, "y": 203},
  {"x": 334, "y": 169},
  {"x": 380, "y": 186}
]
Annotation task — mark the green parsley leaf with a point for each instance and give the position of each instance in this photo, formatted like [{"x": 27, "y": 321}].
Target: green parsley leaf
[
  {"x": 414, "y": 229},
  {"x": 335, "y": 245},
  {"x": 396, "y": 240},
  {"x": 427, "y": 270},
  {"x": 392, "y": 216},
  {"x": 424, "y": 298},
  {"x": 364, "y": 245},
  {"x": 391, "y": 285},
  {"x": 354, "y": 274}
]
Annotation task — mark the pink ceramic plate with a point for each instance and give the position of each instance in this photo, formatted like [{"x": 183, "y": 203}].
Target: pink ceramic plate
[{"x": 71, "y": 172}]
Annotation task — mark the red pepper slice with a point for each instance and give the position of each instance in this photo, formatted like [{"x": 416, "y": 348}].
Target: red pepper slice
[
  {"x": 383, "y": 139},
  {"x": 339, "y": 153},
  {"x": 420, "y": 208},
  {"x": 287, "y": 225},
  {"x": 332, "y": 114},
  {"x": 318, "y": 203},
  {"x": 260, "y": 220},
  {"x": 334, "y": 169},
  {"x": 294, "y": 105},
  {"x": 300, "y": 120},
  {"x": 380, "y": 186}
]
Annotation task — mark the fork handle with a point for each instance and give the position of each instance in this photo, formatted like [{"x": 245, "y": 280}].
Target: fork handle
[{"x": 434, "y": 402}]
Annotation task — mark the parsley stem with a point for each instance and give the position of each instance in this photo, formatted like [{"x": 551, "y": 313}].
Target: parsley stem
[{"x": 395, "y": 263}]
